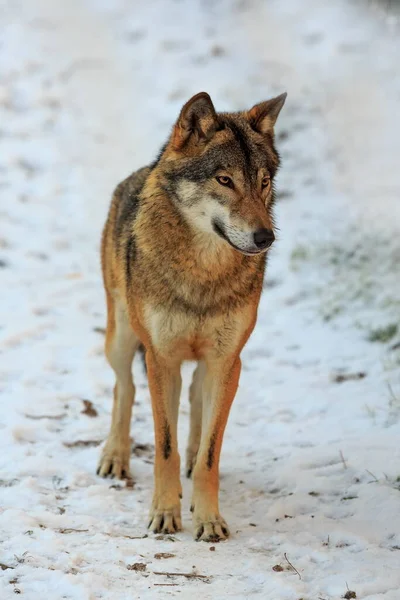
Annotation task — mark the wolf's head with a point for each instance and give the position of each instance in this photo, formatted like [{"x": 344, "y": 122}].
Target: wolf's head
[{"x": 219, "y": 168}]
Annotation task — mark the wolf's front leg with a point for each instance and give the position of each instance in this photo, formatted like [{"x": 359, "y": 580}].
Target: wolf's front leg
[
  {"x": 165, "y": 388},
  {"x": 220, "y": 383}
]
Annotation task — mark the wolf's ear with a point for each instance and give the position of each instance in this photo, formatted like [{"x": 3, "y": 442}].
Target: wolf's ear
[
  {"x": 263, "y": 116},
  {"x": 197, "y": 118}
]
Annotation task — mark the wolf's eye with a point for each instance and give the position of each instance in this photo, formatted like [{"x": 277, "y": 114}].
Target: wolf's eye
[
  {"x": 224, "y": 180},
  {"x": 266, "y": 181}
]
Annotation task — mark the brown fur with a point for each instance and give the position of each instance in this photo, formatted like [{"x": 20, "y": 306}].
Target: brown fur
[{"x": 185, "y": 293}]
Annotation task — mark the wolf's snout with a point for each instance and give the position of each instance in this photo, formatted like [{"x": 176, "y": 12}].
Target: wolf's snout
[{"x": 263, "y": 238}]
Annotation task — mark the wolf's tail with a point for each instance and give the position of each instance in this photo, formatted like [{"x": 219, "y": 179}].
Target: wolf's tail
[{"x": 142, "y": 352}]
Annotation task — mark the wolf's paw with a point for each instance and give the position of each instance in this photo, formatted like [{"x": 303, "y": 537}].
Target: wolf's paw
[
  {"x": 114, "y": 461},
  {"x": 213, "y": 529},
  {"x": 165, "y": 520}
]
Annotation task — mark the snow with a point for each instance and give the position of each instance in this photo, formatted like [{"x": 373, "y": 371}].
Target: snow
[{"x": 310, "y": 466}]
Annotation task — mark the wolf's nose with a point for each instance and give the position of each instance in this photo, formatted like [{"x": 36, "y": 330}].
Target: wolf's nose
[{"x": 263, "y": 238}]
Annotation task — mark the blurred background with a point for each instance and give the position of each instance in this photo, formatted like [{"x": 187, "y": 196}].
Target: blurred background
[{"x": 89, "y": 92}]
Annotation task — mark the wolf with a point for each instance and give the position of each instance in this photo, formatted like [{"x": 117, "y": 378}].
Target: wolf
[{"x": 183, "y": 257}]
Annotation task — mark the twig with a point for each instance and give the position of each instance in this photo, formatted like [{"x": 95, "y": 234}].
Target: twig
[
  {"x": 133, "y": 537},
  {"x": 82, "y": 443},
  {"x": 341, "y": 377},
  {"x": 37, "y": 417},
  {"x": 69, "y": 530},
  {"x": 289, "y": 563},
  {"x": 166, "y": 584},
  {"x": 392, "y": 394},
  {"x": 129, "y": 537},
  {"x": 21, "y": 559},
  {"x": 187, "y": 575},
  {"x": 343, "y": 460},
  {"x": 376, "y": 480}
]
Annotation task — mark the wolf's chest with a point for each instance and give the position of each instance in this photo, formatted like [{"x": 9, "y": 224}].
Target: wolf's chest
[
  {"x": 178, "y": 335},
  {"x": 204, "y": 298}
]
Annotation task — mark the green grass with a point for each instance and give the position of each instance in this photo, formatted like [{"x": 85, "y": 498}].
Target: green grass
[{"x": 383, "y": 334}]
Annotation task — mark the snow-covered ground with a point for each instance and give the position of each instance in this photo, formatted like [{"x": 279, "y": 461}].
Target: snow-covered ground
[{"x": 311, "y": 462}]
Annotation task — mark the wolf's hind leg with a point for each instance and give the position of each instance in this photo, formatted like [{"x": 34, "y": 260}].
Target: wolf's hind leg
[
  {"x": 121, "y": 344},
  {"x": 196, "y": 407}
]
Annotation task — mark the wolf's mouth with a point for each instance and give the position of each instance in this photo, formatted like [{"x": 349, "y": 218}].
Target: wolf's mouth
[{"x": 220, "y": 231}]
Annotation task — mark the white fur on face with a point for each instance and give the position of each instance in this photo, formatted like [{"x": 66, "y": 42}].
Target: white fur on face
[
  {"x": 199, "y": 211},
  {"x": 203, "y": 212}
]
